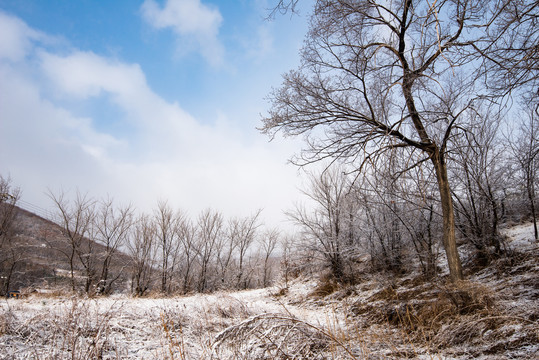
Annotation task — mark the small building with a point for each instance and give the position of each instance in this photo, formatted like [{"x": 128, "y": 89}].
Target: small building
[{"x": 15, "y": 294}]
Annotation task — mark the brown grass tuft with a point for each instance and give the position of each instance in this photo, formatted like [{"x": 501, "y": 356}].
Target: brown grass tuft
[{"x": 326, "y": 285}]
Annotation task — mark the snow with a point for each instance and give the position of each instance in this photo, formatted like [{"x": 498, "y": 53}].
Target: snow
[
  {"x": 43, "y": 326},
  {"x": 520, "y": 236},
  {"x": 135, "y": 328}
]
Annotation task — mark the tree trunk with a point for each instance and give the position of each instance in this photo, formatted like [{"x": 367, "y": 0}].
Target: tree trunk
[
  {"x": 448, "y": 216},
  {"x": 531, "y": 197}
]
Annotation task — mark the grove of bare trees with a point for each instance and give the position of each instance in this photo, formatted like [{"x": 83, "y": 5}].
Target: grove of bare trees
[
  {"x": 165, "y": 251},
  {"x": 407, "y": 82}
]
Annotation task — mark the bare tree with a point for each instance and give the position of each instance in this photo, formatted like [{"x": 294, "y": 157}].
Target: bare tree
[
  {"x": 386, "y": 225},
  {"x": 210, "y": 231},
  {"x": 142, "y": 249},
  {"x": 328, "y": 226},
  {"x": 186, "y": 233},
  {"x": 10, "y": 253},
  {"x": 75, "y": 219},
  {"x": 245, "y": 234},
  {"x": 421, "y": 217},
  {"x": 290, "y": 264},
  {"x": 525, "y": 150},
  {"x": 112, "y": 225},
  {"x": 377, "y": 77},
  {"x": 480, "y": 176},
  {"x": 268, "y": 243},
  {"x": 225, "y": 249},
  {"x": 166, "y": 222},
  {"x": 424, "y": 238}
]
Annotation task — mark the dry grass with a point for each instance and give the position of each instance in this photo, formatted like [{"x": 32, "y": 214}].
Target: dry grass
[
  {"x": 278, "y": 336},
  {"x": 75, "y": 330},
  {"x": 326, "y": 285},
  {"x": 451, "y": 318}
]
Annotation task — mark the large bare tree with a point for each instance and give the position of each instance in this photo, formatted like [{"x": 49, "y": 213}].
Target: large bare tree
[{"x": 382, "y": 76}]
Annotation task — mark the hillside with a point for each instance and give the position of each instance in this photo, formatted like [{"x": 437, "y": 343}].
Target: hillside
[{"x": 42, "y": 254}]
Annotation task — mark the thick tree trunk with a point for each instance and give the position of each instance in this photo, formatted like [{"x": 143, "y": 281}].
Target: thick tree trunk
[{"x": 448, "y": 216}]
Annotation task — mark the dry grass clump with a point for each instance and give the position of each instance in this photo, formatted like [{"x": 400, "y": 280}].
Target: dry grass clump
[
  {"x": 325, "y": 287},
  {"x": 426, "y": 305},
  {"x": 80, "y": 331},
  {"x": 173, "y": 333},
  {"x": 277, "y": 336},
  {"x": 463, "y": 316},
  {"x": 216, "y": 314},
  {"x": 280, "y": 292}
]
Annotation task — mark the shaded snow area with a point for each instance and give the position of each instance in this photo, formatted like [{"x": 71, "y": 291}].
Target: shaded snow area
[{"x": 494, "y": 314}]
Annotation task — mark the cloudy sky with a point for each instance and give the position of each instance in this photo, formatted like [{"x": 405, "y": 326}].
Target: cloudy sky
[{"x": 147, "y": 100}]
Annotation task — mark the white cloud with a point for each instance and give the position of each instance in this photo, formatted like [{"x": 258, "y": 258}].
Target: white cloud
[
  {"x": 15, "y": 38},
  {"x": 194, "y": 23},
  {"x": 86, "y": 74},
  {"x": 45, "y": 143}
]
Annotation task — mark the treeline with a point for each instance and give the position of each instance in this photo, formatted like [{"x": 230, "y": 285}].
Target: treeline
[
  {"x": 410, "y": 95},
  {"x": 108, "y": 247},
  {"x": 388, "y": 214}
]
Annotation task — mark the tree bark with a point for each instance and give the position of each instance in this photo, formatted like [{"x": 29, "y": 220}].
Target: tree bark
[
  {"x": 448, "y": 217},
  {"x": 531, "y": 197}
]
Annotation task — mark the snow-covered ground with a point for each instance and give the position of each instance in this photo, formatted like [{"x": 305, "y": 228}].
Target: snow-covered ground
[
  {"x": 41, "y": 327},
  {"x": 271, "y": 323}
]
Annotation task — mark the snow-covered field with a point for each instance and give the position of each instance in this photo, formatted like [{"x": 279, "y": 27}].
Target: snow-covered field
[
  {"x": 39, "y": 327},
  {"x": 272, "y": 323}
]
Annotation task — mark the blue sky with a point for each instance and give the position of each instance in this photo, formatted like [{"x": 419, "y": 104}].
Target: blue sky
[{"x": 147, "y": 100}]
